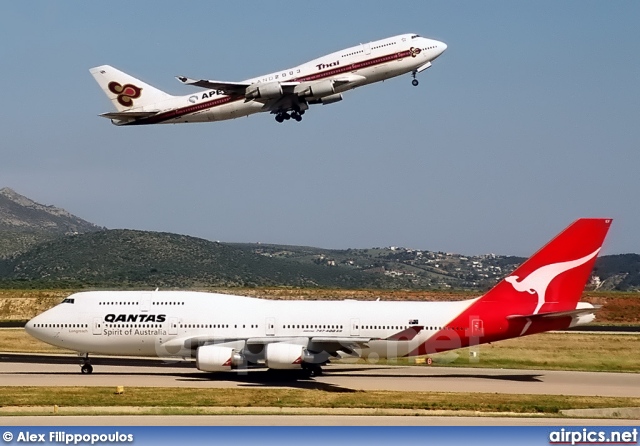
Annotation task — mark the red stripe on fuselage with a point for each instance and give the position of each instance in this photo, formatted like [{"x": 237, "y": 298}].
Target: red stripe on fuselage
[{"x": 179, "y": 112}]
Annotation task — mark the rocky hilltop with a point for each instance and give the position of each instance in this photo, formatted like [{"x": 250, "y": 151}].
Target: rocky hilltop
[
  {"x": 25, "y": 223},
  {"x": 19, "y": 213}
]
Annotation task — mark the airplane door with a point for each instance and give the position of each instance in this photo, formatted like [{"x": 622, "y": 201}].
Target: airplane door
[
  {"x": 97, "y": 326},
  {"x": 173, "y": 326},
  {"x": 355, "y": 327},
  {"x": 477, "y": 328},
  {"x": 367, "y": 48},
  {"x": 270, "y": 324},
  {"x": 145, "y": 302}
]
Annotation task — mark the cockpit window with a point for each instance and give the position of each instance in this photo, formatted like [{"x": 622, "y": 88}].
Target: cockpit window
[
  {"x": 69, "y": 301},
  {"x": 415, "y": 36}
]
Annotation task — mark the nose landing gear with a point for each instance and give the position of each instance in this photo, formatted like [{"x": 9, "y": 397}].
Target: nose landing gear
[
  {"x": 414, "y": 82},
  {"x": 86, "y": 368}
]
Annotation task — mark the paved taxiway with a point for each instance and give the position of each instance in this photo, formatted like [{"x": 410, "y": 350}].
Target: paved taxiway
[
  {"x": 301, "y": 420},
  {"x": 39, "y": 370}
]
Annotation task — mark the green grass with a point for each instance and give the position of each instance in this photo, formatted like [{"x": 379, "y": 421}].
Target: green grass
[{"x": 169, "y": 398}]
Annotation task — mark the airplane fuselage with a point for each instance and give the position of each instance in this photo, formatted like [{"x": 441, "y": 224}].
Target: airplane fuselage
[
  {"x": 175, "y": 323},
  {"x": 359, "y": 65}
]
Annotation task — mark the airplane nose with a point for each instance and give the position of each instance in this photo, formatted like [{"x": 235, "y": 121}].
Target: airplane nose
[
  {"x": 32, "y": 327},
  {"x": 29, "y": 326},
  {"x": 441, "y": 47}
]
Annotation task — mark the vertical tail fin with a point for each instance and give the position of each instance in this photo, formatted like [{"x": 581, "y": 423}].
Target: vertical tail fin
[
  {"x": 125, "y": 91},
  {"x": 553, "y": 279}
]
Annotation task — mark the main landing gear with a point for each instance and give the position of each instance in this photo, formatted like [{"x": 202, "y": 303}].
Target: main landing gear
[
  {"x": 311, "y": 370},
  {"x": 414, "y": 82},
  {"x": 86, "y": 368},
  {"x": 284, "y": 116}
]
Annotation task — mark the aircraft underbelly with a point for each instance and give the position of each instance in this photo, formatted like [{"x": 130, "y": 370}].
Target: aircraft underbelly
[{"x": 121, "y": 345}]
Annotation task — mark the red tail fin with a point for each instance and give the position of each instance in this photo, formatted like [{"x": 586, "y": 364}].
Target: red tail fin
[{"x": 554, "y": 277}]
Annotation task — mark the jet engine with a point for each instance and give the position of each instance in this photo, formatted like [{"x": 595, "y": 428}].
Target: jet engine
[
  {"x": 213, "y": 358},
  {"x": 317, "y": 90},
  {"x": 327, "y": 99},
  {"x": 264, "y": 91},
  {"x": 286, "y": 356}
]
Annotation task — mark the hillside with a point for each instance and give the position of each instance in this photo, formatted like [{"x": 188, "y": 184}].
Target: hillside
[
  {"x": 136, "y": 258},
  {"x": 127, "y": 258},
  {"x": 618, "y": 272},
  {"x": 47, "y": 247},
  {"x": 25, "y": 223}
]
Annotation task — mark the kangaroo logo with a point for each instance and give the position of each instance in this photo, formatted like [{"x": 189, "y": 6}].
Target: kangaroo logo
[
  {"x": 126, "y": 93},
  {"x": 538, "y": 281}
]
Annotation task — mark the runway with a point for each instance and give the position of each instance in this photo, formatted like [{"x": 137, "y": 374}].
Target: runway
[{"x": 51, "y": 370}]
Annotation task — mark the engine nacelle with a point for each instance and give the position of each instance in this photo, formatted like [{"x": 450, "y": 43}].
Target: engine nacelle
[
  {"x": 327, "y": 99},
  {"x": 213, "y": 358},
  {"x": 316, "y": 90},
  {"x": 285, "y": 356},
  {"x": 264, "y": 91}
]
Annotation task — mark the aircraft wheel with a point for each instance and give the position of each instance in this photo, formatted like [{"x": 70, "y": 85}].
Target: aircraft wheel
[
  {"x": 86, "y": 369},
  {"x": 415, "y": 82},
  {"x": 286, "y": 116},
  {"x": 311, "y": 370},
  {"x": 279, "y": 118},
  {"x": 297, "y": 117}
]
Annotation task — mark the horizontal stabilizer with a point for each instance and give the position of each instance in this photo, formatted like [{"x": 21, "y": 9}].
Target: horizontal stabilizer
[
  {"x": 128, "y": 115},
  {"x": 556, "y": 314}
]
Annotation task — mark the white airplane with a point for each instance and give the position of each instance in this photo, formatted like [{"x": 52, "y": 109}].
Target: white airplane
[
  {"x": 224, "y": 331},
  {"x": 285, "y": 93}
]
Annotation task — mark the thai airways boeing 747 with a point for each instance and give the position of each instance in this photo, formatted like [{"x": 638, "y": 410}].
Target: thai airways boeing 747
[
  {"x": 286, "y": 93},
  {"x": 224, "y": 332}
]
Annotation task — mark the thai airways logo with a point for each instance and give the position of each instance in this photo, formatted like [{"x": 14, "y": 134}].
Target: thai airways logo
[
  {"x": 539, "y": 280},
  {"x": 126, "y": 93},
  {"x": 414, "y": 51}
]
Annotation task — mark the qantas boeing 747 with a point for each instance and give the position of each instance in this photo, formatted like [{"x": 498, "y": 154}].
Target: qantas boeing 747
[
  {"x": 285, "y": 93},
  {"x": 224, "y": 332}
]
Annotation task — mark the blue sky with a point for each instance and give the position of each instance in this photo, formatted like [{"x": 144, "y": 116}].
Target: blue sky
[{"x": 528, "y": 121}]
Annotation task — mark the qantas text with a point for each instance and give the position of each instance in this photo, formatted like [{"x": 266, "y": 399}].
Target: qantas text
[{"x": 135, "y": 318}]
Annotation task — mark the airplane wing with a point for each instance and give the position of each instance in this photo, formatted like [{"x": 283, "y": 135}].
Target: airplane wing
[
  {"x": 329, "y": 344},
  {"x": 229, "y": 88}
]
